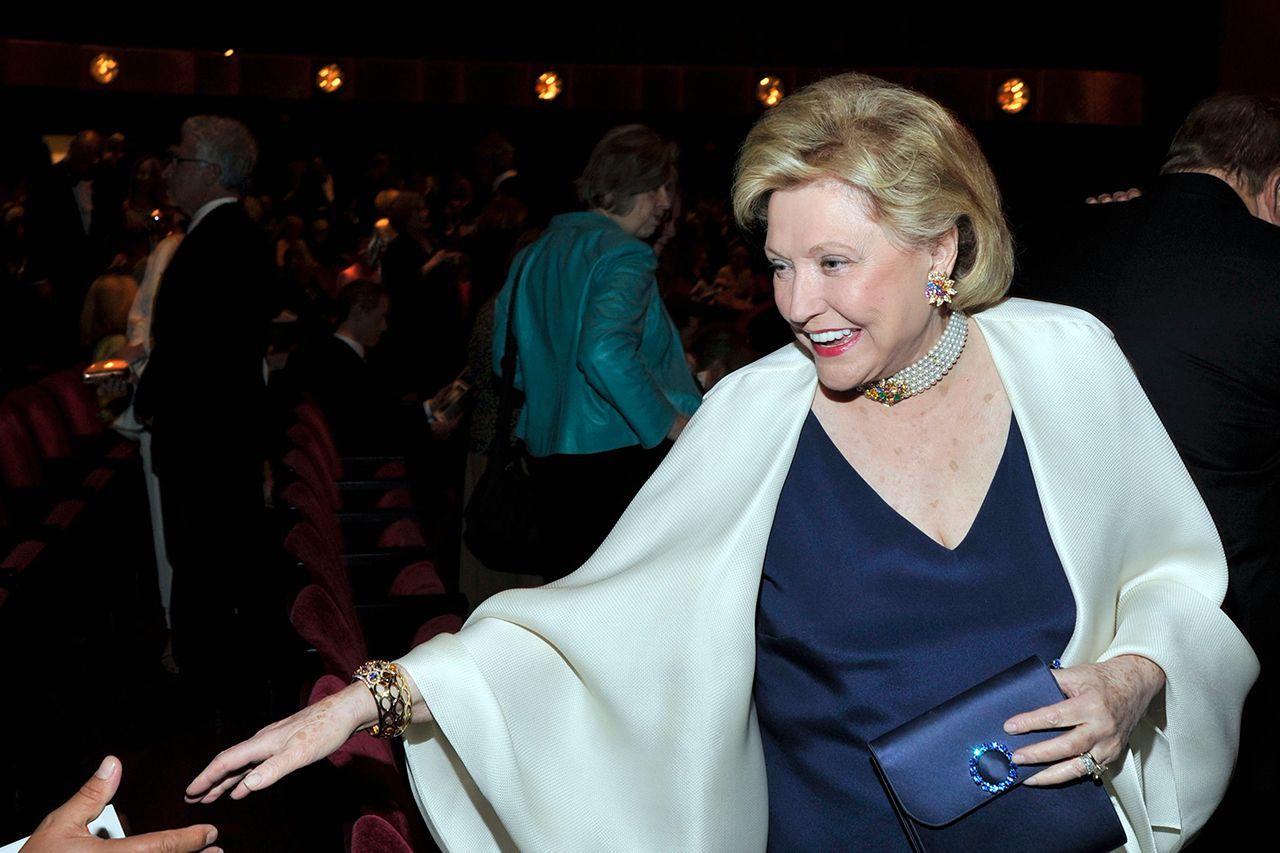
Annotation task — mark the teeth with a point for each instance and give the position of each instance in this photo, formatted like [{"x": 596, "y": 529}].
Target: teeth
[{"x": 828, "y": 337}]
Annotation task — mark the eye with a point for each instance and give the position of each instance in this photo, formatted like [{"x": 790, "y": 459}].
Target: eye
[
  {"x": 834, "y": 264},
  {"x": 779, "y": 268}
]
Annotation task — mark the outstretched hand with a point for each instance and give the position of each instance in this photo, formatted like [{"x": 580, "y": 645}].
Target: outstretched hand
[
  {"x": 65, "y": 829},
  {"x": 283, "y": 747},
  {"x": 1104, "y": 703}
]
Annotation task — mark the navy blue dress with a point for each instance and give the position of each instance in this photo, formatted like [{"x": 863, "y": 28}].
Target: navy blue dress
[{"x": 864, "y": 622}]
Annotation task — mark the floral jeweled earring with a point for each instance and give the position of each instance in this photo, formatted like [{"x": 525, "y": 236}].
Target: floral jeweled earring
[{"x": 940, "y": 289}]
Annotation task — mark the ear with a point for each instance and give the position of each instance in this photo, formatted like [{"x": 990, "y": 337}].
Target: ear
[
  {"x": 212, "y": 175},
  {"x": 944, "y": 251},
  {"x": 1267, "y": 200}
]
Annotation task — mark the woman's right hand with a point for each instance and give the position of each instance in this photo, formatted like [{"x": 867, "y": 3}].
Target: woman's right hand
[
  {"x": 442, "y": 256},
  {"x": 280, "y": 748},
  {"x": 677, "y": 426}
]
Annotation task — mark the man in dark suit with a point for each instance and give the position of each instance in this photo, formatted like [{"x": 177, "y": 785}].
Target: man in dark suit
[
  {"x": 73, "y": 226},
  {"x": 363, "y": 411},
  {"x": 204, "y": 397},
  {"x": 1186, "y": 276}
]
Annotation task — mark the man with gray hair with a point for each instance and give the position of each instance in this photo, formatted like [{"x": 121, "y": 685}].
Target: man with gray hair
[
  {"x": 1186, "y": 277},
  {"x": 204, "y": 399}
]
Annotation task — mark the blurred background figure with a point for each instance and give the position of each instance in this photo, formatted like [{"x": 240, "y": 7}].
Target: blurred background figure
[
  {"x": 203, "y": 397},
  {"x": 599, "y": 360},
  {"x": 104, "y": 319},
  {"x": 424, "y": 346},
  {"x": 1184, "y": 274}
]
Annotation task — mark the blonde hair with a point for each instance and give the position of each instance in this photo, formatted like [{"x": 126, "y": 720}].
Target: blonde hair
[
  {"x": 106, "y": 307},
  {"x": 921, "y": 171}
]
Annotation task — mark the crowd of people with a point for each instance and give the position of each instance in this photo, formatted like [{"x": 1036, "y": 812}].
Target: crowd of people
[
  {"x": 399, "y": 268},
  {"x": 75, "y": 232},
  {"x": 759, "y": 585},
  {"x": 213, "y": 309}
]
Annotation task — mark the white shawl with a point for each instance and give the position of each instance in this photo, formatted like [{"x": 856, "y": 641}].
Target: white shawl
[{"x": 612, "y": 710}]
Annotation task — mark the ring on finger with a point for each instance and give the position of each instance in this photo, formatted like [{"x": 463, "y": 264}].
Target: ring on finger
[{"x": 1092, "y": 766}]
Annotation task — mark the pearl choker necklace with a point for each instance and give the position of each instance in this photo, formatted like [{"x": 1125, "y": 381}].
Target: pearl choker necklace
[{"x": 925, "y": 373}]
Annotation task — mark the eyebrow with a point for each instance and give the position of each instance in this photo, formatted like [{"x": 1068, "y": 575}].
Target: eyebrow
[{"x": 819, "y": 249}]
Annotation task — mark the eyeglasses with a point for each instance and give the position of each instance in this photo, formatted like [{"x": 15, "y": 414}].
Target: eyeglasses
[{"x": 175, "y": 159}]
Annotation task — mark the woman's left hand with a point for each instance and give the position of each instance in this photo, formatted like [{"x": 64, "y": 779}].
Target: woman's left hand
[{"x": 1104, "y": 702}]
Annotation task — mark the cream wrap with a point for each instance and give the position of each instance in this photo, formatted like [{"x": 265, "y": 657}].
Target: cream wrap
[{"x": 612, "y": 710}]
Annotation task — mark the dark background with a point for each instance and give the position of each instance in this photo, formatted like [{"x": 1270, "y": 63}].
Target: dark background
[
  {"x": 1043, "y": 168},
  {"x": 1180, "y": 61}
]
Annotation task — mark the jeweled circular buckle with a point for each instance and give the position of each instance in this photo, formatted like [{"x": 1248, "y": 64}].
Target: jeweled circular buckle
[{"x": 991, "y": 767}]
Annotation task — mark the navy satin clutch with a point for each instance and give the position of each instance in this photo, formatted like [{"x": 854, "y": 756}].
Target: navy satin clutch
[{"x": 950, "y": 777}]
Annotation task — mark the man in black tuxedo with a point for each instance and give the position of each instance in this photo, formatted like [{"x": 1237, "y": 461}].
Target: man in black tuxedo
[
  {"x": 1187, "y": 277},
  {"x": 204, "y": 397}
]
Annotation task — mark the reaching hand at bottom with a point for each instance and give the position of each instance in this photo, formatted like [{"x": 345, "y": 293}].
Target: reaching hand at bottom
[{"x": 65, "y": 829}]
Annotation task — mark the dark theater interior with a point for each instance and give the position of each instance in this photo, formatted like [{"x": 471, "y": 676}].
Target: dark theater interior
[{"x": 328, "y": 343}]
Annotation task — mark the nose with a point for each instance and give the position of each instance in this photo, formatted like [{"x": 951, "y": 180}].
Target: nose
[{"x": 801, "y": 298}]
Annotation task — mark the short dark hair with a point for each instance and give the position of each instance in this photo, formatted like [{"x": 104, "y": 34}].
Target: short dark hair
[
  {"x": 362, "y": 294},
  {"x": 627, "y": 161},
  {"x": 1237, "y": 134},
  {"x": 404, "y": 204}
]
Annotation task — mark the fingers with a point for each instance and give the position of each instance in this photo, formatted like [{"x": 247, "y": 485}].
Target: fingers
[
  {"x": 93, "y": 796},
  {"x": 1064, "y": 746},
  {"x": 186, "y": 840},
  {"x": 1064, "y": 771},
  {"x": 266, "y": 774},
  {"x": 227, "y": 762},
  {"x": 278, "y": 750},
  {"x": 222, "y": 787},
  {"x": 1119, "y": 195},
  {"x": 1065, "y": 713}
]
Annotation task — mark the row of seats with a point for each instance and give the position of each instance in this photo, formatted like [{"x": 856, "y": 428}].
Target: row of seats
[
  {"x": 74, "y": 530},
  {"x": 77, "y": 579},
  {"x": 61, "y": 469},
  {"x": 372, "y": 591}
]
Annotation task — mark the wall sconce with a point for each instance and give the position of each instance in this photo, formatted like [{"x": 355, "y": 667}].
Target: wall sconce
[
  {"x": 329, "y": 79},
  {"x": 104, "y": 68},
  {"x": 548, "y": 86},
  {"x": 1013, "y": 95},
  {"x": 769, "y": 91}
]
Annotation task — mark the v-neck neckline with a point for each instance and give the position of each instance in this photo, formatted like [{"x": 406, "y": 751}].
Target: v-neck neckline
[{"x": 982, "y": 507}]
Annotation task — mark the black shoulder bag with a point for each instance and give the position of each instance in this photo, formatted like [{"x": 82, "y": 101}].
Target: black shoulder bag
[{"x": 502, "y": 531}]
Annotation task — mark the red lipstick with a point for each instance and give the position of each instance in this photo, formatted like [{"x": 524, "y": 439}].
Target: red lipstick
[{"x": 835, "y": 347}]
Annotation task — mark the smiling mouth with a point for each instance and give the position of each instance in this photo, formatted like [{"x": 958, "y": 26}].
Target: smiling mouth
[{"x": 833, "y": 342}]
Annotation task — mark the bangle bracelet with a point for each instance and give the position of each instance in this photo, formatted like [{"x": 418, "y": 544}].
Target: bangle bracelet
[{"x": 391, "y": 694}]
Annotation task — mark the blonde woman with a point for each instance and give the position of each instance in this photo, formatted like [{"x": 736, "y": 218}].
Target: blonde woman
[
  {"x": 104, "y": 318},
  {"x": 931, "y": 484}
]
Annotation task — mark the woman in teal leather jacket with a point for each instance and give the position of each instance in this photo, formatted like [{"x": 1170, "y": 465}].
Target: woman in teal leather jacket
[{"x": 597, "y": 355}]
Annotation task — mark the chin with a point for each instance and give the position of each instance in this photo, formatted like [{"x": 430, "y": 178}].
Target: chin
[
  {"x": 839, "y": 375},
  {"x": 840, "y": 381}
]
